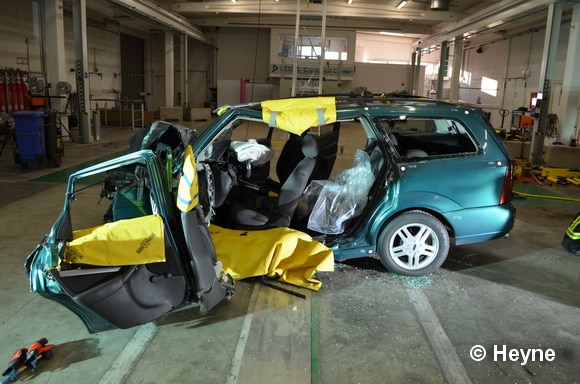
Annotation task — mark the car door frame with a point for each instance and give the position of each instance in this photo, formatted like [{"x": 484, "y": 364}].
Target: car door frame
[{"x": 111, "y": 302}]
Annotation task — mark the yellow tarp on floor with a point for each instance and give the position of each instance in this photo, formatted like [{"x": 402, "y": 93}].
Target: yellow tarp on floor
[{"x": 281, "y": 253}]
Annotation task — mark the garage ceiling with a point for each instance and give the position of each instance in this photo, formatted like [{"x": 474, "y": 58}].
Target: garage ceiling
[
  {"x": 416, "y": 17},
  {"x": 428, "y": 22}
]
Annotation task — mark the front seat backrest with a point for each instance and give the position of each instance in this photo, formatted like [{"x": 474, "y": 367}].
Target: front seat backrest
[
  {"x": 289, "y": 195},
  {"x": 290, "y": 155},
  {"x": 327, "y": 152},
  {"x": 295, "y": 184}
]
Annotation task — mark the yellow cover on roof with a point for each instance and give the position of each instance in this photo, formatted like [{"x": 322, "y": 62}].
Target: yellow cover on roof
[
  {"x": 124, "y": 242},
  {"x": 288, "y": 255},
  {"x": 300, "y": 114}
]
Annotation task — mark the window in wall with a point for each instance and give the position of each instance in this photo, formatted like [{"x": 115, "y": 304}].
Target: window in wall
[
  {"x": 489, "y": 86},
  {"x": 310, "y": 47}
]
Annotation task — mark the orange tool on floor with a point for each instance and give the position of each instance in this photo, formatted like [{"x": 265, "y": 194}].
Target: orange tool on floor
[{"x": 27, "y": 358}]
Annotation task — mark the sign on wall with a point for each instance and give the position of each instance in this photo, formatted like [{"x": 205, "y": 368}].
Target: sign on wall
[{"x": 332, "y": 71}]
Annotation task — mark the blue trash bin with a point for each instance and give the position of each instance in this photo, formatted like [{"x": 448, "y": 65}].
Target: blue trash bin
[{"x": 29, "y": 132}]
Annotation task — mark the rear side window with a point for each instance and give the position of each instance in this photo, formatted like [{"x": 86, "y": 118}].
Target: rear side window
[{"x": 427, "y": 137}]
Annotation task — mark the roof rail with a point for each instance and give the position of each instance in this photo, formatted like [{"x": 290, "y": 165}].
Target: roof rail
[{"x": 366, "y": 99}]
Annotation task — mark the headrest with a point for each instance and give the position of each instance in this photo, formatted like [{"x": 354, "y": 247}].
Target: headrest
[
  {"x": 416, "y": 153},
  {"x": 309, "y": 146}
]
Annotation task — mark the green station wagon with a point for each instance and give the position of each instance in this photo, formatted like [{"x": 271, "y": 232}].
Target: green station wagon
[
  {"x": 399, "y": 179},
  {"x": 426, "y": 174}
]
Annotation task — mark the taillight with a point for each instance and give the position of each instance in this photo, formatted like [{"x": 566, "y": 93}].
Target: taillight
[{"x": 506, "y": 191}]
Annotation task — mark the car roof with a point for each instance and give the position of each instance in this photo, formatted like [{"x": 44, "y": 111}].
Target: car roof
[{"x": 350, "y": 102}]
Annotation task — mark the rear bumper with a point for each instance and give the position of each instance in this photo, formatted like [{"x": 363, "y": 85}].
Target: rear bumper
[{"x": 481, "y": 224}]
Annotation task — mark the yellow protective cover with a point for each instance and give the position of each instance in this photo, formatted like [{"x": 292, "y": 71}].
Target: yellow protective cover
[
  {"x": 188, "y": 188},
  {"x": 300, "y": 114},
  {"x": 123, "y": 242},
  {"x": 288, "y": 255}
]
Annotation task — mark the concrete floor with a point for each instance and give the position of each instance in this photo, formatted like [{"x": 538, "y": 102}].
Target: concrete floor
[{"x": 364, "y": 326}]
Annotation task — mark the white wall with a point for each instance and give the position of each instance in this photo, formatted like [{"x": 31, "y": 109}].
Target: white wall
[
  {"x": 18, "y": 37},
  {"x": 247, "y": 53},
  {"x": 379, "y": 78},
  {"x": 243, "y": 53},
  {"x": 376, "y": 48},
  {"x": 155, "y": 64},
  {"x": 277, "y": 35},
  {"x": 511, "y": 68}
]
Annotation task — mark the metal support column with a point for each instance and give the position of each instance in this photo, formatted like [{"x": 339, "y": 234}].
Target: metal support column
[
  {"x": 184, "y": 72},
  {"x": 441, "y": 72},
  {"x": 456, "y": 71},
  {"x": 553, "y": 24},
  {"x": 295, "y": 53},
  {"x": 169, "y": 71},
  {"x": 571, "y": 83},
  {"x": 322, "y": 48},
  {"x": 416, "y": 72},
  {"x": 82, "y": 75},
  {"x": 56, "y": 69}
]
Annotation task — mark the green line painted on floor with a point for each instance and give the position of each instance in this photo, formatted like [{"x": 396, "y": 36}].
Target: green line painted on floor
[
  {"x": 314, "y": 340},
  {"x": 543, "y": 196},
  {"x": 62, "y": 175},
  {"x": 532, "y": 188}
]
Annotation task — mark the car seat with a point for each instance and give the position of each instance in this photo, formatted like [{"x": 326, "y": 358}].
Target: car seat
[
  {"x": 412, "y": 152},
  {"x": 284, "y": 207},
  {"x": 377, "y": 158},
  {"x": 291, "y": 154},
  {"x": 415, "y": 152}
]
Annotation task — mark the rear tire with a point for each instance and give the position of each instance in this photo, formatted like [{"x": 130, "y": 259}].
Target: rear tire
[{"x": 413, "y": 244}]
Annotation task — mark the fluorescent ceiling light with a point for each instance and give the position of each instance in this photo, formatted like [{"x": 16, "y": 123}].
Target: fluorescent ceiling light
[
  {"x": 495, "y": 24},
  {"x": 391, "y": 33},
  {"x": 349, "y": 2},
  {"x": 402, "y": 4}
]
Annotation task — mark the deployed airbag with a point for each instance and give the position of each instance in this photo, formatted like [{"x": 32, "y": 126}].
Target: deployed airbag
[
  {"x": 124, "y": 242},
  {"x": 339, "y": 199},
  {"x": 291, "y": 256},
  {"x": 251, "y": 150},
  {"x": 298, "y": 115}
]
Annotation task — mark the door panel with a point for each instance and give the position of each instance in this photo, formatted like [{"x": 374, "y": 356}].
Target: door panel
[
  {"x": 123, "y": 295},
  {"x": 128, "y": 297}
]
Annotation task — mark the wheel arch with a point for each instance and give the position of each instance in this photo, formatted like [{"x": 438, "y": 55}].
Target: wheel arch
[{"x": 376, "y": 233}]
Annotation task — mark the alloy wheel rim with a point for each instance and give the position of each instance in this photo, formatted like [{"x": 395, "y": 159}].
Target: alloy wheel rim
[{"x": 414, "y": 246}]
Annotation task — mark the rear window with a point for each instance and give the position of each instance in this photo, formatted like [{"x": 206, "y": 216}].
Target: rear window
[{"x": 427, "y": 137}]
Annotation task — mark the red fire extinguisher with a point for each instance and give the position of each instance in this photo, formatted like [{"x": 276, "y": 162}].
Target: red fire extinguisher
[
  {"x": 2, "y": 96},
  {"x": 19, "y": 92},
  {"x": 13, "y": 94},
  {"x": 24, "y": 90}
]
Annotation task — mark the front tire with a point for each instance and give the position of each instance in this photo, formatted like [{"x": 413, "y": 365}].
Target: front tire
[{"x": 413, "y": 244}]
